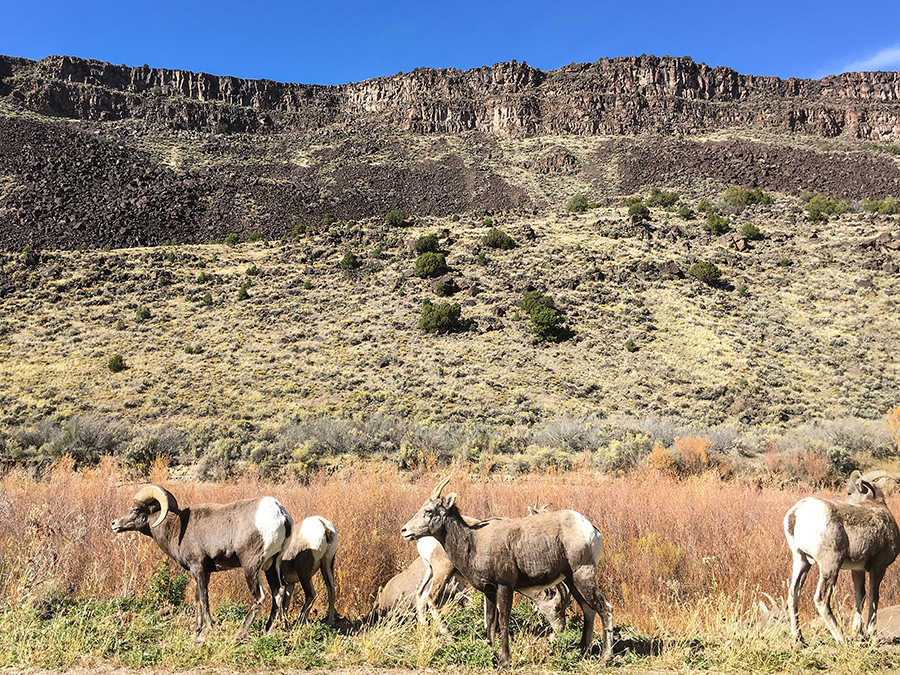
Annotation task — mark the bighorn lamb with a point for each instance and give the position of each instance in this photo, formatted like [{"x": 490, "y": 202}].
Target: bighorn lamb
[
  {"x": 402, "y": 591},
  {"x": 505, "y": 554},
  {"x": 312, "y": 549},
  {"x": 859, "y": 534},
  {"x": 251, "y": 534}
]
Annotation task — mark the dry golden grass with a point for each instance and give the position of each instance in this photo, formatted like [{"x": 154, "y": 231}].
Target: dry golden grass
[{"x": 670, "y": 546}]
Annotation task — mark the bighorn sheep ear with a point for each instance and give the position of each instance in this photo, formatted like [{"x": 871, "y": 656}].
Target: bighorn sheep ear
[
  {"x": 449, "y": 500},
  {"x": 440, "y": 486},
  {"x": 154, "y": 493}
]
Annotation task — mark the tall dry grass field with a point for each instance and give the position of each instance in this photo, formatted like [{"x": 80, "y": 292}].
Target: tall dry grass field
[{"x": 673, "y": 548}]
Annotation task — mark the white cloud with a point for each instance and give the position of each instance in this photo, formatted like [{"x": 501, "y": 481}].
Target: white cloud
[{"x": 886, "y": 59}]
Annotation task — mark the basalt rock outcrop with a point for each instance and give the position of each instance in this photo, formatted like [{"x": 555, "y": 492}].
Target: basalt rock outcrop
[
  {"x": 99, "y": 154},
  {"x": 629, "y": 95}
]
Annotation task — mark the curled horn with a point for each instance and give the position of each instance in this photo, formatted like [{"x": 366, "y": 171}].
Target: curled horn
[
  {"x": 440, "y": 486},
  {"x": 875, "y": 474},
  {"x": 153, "y": 493}
]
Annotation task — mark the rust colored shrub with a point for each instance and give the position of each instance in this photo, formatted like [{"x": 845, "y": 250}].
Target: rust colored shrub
[
  {"x": 661, "y": 460},
  {"x": 693, "y": 454}
]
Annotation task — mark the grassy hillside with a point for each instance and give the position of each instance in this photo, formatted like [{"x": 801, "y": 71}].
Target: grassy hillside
[{"x": 791, "y": 349}]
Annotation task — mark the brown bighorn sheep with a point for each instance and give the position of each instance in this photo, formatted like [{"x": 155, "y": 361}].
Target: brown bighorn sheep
[
  {"x": 251, "y": 534},
  {"x": 551, "y": 602},
  {"x": 859, "y": 534},
  {"x": 312, "y": 549},
  {"x": 502, "y": 555}
]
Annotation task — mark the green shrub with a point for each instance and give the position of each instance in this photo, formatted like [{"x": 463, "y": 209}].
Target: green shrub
[
  {"x": 329, "y": 220},
  {"x": 750, "y": 231},
  {"x": 577, "y": 203},
  {"x": 222, "y": 127},
  {"x": 703, "y": 206},
  {"x": 252, "y": 271},
  {"x": 706, "y": 272},
  {"x": 207, "y": 299},
  {"x": 142, "y": 314},
  {"x": 255, "y": 237},
  {"x": 889, "y": 205},
  {"x": 307, "y": 285},
  {"x": 232, "y": 239},
  {"x": 685, "y": 212},
  {"x": 639, "y": 211},
  {"x": 818, "y": 208},
  {"x": 427, "y": 243},
  {"x": 202, "y": 278},
  {"x": 660, "y": 198},
  {"x": 630, "y": 346},
  {"x": 455, "y": 218},
  {"x": 395, "y": 218},
  {"x": 349, "y": 262},
  {"x": 442, "y": 317},
  {"x": 497, "y": 238},
  {"x": 547, "y": 322},
  {"x": 481, "y": 260},
  {"x": 193, "y": 349},
  {"x": 738, "y": 196},
  {"x": 243, "y": 294},
  {"x": 120, "y": 324},
  {"x": 430, "y": 265},
  {"x": 116, "y": 363},
  {"x": 716, "y": 224},
  {"x": 166, "y": 587},
  {"x": 487, "y": 222}
]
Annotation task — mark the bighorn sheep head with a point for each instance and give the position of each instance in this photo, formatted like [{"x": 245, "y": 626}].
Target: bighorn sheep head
[
  {"x": 148, "y": 500},
  {"x": 429, "y": 519}
]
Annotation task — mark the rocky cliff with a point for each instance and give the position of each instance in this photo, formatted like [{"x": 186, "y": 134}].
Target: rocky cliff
[
  {"x": 630, "y": 95},
  {"x": 99, "y": 154}
]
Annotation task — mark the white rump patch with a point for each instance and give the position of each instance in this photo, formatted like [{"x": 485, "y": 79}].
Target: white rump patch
[
  {"x": 591, "y": 535},
  {"x": 811, "y": 518},
  {"x": 312, "y": 530},
  {"x": 271, "y": 521}
]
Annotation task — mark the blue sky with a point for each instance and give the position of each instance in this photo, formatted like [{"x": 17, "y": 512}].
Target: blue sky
[{"x": 339, "y": 41}]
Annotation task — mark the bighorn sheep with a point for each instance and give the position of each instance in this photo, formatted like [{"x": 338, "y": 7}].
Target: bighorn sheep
[
  {"x": 251, "y": 534},
  {"x": 402, "y": 591},
  {"x": 502, "y": 555},
  {"x": 859, "y": 534},
  {"x": 312, "y": 549},
  {"x": 550, "y": 602}
]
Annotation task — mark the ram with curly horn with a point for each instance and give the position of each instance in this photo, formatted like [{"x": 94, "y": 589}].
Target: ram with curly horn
[
  {"x": 859, "y": 534},
  {"x": 502, "y": 555},
  {"x": 251, "y": 534}
]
